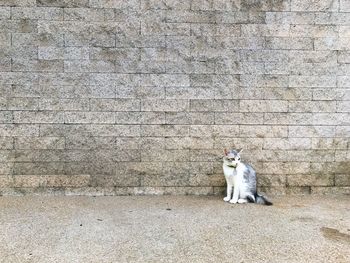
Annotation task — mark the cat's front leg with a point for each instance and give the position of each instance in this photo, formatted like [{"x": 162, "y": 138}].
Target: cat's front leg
[
  {"x": 229, "y": 193},
  {"x": 235, "y": 196}
]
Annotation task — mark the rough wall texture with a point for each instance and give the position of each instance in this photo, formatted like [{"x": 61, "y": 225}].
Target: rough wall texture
[{"x": 142, "y": 96}]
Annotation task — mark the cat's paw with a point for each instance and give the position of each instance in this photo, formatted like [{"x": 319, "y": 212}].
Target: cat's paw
[
  {"x": 233, "y": 201},
  {"x": 226, "y": 199},
  {"x": 242, "y": 201}
]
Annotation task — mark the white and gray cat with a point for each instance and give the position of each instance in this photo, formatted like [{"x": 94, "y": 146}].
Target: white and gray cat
[{"x": 242, "y": 178}]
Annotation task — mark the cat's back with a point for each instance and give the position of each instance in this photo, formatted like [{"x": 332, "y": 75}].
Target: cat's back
[{"x": 250, "y": 169}]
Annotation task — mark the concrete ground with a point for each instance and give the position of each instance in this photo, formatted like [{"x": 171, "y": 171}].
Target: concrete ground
[{"x": 173, "y": 229}]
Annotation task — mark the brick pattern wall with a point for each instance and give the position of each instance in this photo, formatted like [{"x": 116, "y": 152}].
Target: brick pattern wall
[{"x": 142, "y": 96}]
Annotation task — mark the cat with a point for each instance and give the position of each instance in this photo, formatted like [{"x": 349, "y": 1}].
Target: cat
[{"x": 242, "y": 178}]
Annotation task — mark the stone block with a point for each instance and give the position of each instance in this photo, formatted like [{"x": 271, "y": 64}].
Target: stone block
[
  {"x": 265, "y": 5},
  {"x": 85, "y": 14},
  {"x": 342, "y": 156},
  {"x": 43, "y": 156},
  {"x": 332, "y": 43},
  {"x": 275, "y": 180},
  {"x": 287, "y": 143},
  {"x": 343, "y": 106},
  {"x": 312, "y": 81},
  {"x": 138, "y": 168},
  {"x": 57, "y": 79},
  {"x": 64, "y": 104},
  {"x": 91, "y": 167},
  {"x": 89, "y": 66},
  {"x": 38, "y": 117},
  {"x": 164, "y": 130},
  {"x": 77, "y": 180},
  {"x": 188, "y": 143},
  {"x": 115, "y": 105},
  {"x": 89, "y": 117},
  {"x": 6, "y": 143},
  {"x": 331, "y": 119},
  {"x": 344, "y": 6},
  {"x": 19, "y": 130},
  {"x": 283, "y": 94},
  {"x": 99, "y": 53},
  {"x": 310, "y": 180},
  {"x": 6, "y": 117},
  {"x": 64, "y": 3},
  {"x": 40, "y": 13},
  {"x": 262, "y": 131},
  {"x": 329, "y": 95},
  {"x": 140, "y": 117},
  {"x": 321, "y": 190},
  {"x": 314, "y": 6},
  {"x": 289, "y": 43},
  {"x": 214, "y": 130},
  {"x": 118, "y": 4},
  {"x": 76, "y": 53},
  {"x": 263, "y": 106},
  {"x": 37, "y": 39},
  {"x": 264, "y": 80},
  {"x": 115, "y": 130},
  {"x": 240, "y": 42},
  {"x": 5, "y": 12},
  {"x": 39, "y": 143},
  {"x": 164, "y": 105},
  {"x": 288, "y": 118},
  {"x": 311, "y": 131},
  {"x": 342, "y": 180},
  {"x": 329, "y": 143},
  {"x": 290, "y": 168},
  {"x": 189, "y": 118},
  {"x": 238, "y": 143},
  {"x": 6, "y": 181},
  {"x": 329, "y": 18},
  {"x": 165, "y": 155},
  {"x": 239, "y": 118},
  {"x": 89, "y": 142},
  {"x": 38, "y": 168},
  {"x": 37, "y": 65},
  {"x": 149, "y": 143},
  {"x": 343, "y": 81},
  {"x": 343, "y": 69},
  {"x": 5, "y": 40},
  {"x": 18, "y": 3},
  {"x": 312, "y": 106},
  {"x": 269, "y": 30},
  {"x": 295, "y": 18}
]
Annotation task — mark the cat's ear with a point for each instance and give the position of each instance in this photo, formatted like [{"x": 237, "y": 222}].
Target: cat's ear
[
  {"x": 241, "y": 150},
  {"x": 226, "y": 152}
]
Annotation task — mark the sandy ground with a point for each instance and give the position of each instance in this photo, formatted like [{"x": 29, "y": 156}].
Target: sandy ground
[{"x": 173, "y": 229}]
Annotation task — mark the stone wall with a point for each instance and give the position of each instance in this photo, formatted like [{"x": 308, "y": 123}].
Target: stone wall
[{"x": 142, "y": 96}]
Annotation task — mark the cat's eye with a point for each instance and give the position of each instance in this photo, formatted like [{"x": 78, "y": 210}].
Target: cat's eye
[{"x": 239, "y": 159}]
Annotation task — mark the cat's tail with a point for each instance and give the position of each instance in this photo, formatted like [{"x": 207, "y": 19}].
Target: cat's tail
[{"x": 259, "y": 199}]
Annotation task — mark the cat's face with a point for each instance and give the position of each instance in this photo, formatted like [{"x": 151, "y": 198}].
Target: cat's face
[{"x": 232, "y": 158}]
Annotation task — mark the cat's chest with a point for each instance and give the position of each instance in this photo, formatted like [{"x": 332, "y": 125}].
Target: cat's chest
[
  {"x": 229, "y": 171},
  {"x": 230, "y": 175}
]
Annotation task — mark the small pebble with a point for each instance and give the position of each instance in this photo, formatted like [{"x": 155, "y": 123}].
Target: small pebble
[
  {"x": 81, "y": 224},
  {"x": 168, "y": 209}
]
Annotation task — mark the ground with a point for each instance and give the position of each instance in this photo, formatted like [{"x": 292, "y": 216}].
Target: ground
[{"x": 173, "y": 229}]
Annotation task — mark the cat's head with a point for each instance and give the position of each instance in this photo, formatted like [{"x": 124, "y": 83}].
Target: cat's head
[{"x": 232, "y": 157}]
